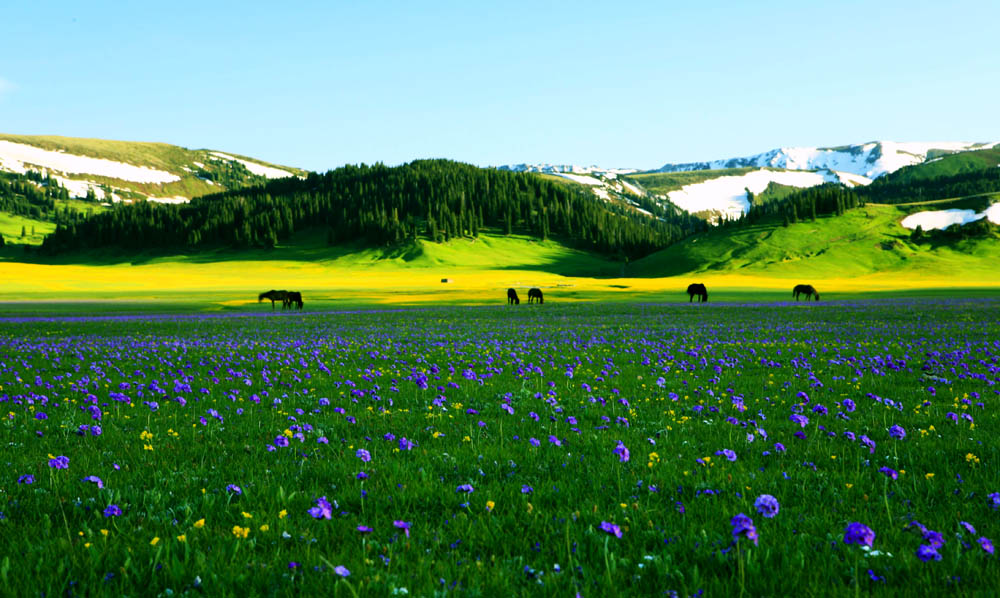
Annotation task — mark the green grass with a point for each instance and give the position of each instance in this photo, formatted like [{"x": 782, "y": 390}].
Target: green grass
[
  {"x": 11, "y": 225},
  {"x": 661, "y": 183},
  {"x": 948, "y": 165},
  {"x": 667, "y": 382},
  {"x": 860, "y": 242}
]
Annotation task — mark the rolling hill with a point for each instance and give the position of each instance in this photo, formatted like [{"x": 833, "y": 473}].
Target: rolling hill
[{"x": 125, "y": 170}]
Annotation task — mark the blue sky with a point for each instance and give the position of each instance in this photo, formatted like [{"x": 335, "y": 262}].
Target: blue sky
[{"x": 636, "y": 84}]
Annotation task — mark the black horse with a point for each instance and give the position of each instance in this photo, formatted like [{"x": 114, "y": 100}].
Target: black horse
[
  {"x": 535, "y": 294},
  {"x": 807, "y": 290},
  {"x": 274, "y": 296},
  {"x": 697, "y": 290},
  {"x": 293, "y": 299},
  {"x": 512, "y": 298}
]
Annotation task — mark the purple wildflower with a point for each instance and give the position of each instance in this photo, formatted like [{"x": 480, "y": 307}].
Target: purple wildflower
[
  {"x": 612, "y": 529},
  {"x": 341, "y": 571},
  {"x": 364, "y": 455},
  {"x": 403, "y": 525},
  {"x": 60, "y": 462},
  {"x": 934, "y": 538},
  {"x": 112, "y": 511},
  {"x": 527, "y": 489},
  {"x": 968, "y": 527},
  {"x": 95, "y": 480},
  {"x": 236, "y": 490},
  {"x": 889, "y": 473},
  {"x": 364, "y": 529},
  {"x": 405, "y": 445},
  {"x": 859, "y": 533},
  {"x": 994, "y": 500},
  {"x": 728, "y": 454},
  {"x": 281, "y": 441},
  {"x": 743, "y": 526},
  {"x": 767, "y": 505},
  {"x": 467, "y": 488},
  {"x": 26, "y": 479},
  {"x": 986, "y": 545},
  {"x": 927, "y": 553},
  {"x": 622, "y": 451},
  {"x": 322, "y": 510},
  {"x": 897, "y": 432}
]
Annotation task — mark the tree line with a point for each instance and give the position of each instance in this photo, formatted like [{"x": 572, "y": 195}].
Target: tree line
[{"x": 436, "y": 200}]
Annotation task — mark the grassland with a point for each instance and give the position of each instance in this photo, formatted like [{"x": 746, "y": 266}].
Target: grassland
[
  {"x": 860, "y": 243},
  {"x": 948, "y": 165},
  {"x": 599, "y": 449}
]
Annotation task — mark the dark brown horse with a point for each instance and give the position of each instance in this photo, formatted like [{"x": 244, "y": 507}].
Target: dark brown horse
[
  {"x": 512, "y": 298},
  {"x": 697, "y": 290},
  {"x": 292, "y": 300},
  {"x": 807, "y": 290},
  {"x": 274, "y": 296},
  {"x": 535, "y": 294}
]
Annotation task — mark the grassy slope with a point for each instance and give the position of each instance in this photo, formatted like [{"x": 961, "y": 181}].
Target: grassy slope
[
  {"x": 948, "y": 165},
  {"x": 861, "y": 242},
  {"x": 160, "y": 156}
]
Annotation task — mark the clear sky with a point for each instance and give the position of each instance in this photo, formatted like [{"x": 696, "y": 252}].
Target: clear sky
[{"x": 619, "y": 84}]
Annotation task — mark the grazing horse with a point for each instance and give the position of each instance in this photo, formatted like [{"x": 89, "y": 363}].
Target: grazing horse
[
  {"x": 512, "y": 298},
  {"x": 697, "y": 290},
  {"x": 292, "y": 299},
  {"x": 535, "y": 294},
  {"x": 274, "y": 296},
  {"x": 805, "y": 289}
]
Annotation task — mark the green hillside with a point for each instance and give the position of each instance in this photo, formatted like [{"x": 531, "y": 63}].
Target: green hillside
[
  {"x": 947, "y": 165},
  {"x": 861, "y": 241},
  {"x": 383, "y": 206}
]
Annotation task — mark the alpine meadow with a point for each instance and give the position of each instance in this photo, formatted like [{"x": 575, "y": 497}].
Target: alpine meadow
[{"x": 450, "y": 299}]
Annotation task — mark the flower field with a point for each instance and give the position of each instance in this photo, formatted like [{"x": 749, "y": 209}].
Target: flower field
[{"x": 617, "y": 449}]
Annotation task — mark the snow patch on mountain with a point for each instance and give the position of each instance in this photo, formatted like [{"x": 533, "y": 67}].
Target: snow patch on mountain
[
  {"x": 870, "y": 160},
  {"x": 567, "y": 168},
  {"x": 16, "y": 156},
  {"x": 258, "y": 169},
  {"x": 942, "y": 219},
  {"x": 727, "y": 194},
  {"x": 582, "y": 179}
]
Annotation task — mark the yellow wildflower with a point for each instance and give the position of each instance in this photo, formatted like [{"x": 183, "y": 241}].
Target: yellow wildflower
[{"x": 199, "y": 524}]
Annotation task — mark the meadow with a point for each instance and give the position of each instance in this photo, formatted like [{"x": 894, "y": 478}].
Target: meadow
[{"x": 568, "y": 449}]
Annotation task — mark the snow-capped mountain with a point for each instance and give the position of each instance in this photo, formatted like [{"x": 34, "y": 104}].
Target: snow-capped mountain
[
  {"x": 870, "y": 160},
  {"x": 567, "y": 169}
]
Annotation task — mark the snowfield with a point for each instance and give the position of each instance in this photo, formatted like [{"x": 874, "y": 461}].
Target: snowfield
[
  {"x": 258, "y": 169},
  {"x": 14, "y": 157},
  {"x": 870, "y": 160},
  {"x": 942, "y": 219},
  {"x": 727, "y": 194},
  {"x": 567, "y": 168},
  {"x": 583, "y": 179}
]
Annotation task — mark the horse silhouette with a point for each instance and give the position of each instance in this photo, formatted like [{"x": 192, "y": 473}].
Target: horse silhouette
[
  {"x": 535, "y": 294},
  {"x": 805, "y": 289},
  {"x": 697, "y": 290},
  {"x": 274, "y": 296},
  {"x": 512, "y": 298},
  {"x": 293, "y": 299}
]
